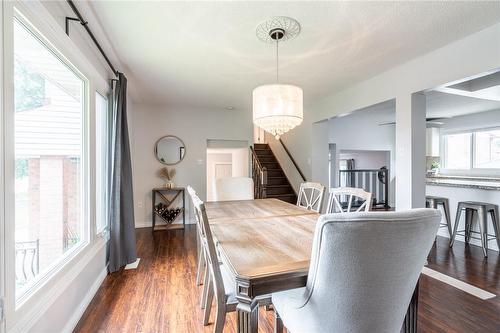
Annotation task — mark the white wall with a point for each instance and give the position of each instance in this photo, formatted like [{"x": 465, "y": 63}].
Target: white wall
[
  {"x": 472, "y": 121},
  {"x": 367, "y": 159},
  {"x": 472, "y": 55},
  {"x": 194, "y": 126},
  {"x": 361, "y": 130}
]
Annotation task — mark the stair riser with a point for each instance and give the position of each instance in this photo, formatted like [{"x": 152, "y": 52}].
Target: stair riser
[
  {"x": 277, "y": 181},
  {"x": 279, "y": 190},
  {"x": 267, "y": 152},
  {"x": 270, "y": 165},
  {"x": 267, "y": 159},
  {"x": 275, "y": 173},
  {"x": 261, "y": 146}
]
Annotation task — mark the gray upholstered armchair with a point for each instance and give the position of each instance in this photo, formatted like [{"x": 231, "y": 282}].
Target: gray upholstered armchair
[{"x": 364, "y": 268}]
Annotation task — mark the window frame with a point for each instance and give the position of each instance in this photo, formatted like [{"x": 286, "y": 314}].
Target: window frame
[
  {"x": 42, "y": 278},
  {"x": 472, "y": 170},
  {"x": 20, "y": 315},
  {"x": 103, "y": 231}
]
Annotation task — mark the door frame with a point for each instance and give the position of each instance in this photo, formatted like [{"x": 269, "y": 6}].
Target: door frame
[{"x": 2, "y": 174}]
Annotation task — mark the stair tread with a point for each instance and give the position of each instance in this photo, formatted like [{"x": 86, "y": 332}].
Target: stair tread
[{"x": 282, "y": 195}]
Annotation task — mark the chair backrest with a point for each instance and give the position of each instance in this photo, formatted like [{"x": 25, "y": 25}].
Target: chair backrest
[
  {"x": 364, "y": 268},
  {"x": 347, "y": 199},
  {"x": 209, "y": 248},
  {"x": 192, "y": 194},
  {"x": 311, "y": 196},
  {"x": 234, "y": 188}
]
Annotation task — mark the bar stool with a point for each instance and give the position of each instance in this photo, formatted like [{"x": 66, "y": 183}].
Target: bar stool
[
  {"x": 434, "y": 202},
  {"x": 481, "y": 209}
]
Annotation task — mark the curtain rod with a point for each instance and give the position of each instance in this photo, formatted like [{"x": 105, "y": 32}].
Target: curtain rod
[{"x": 80, "y": 19}]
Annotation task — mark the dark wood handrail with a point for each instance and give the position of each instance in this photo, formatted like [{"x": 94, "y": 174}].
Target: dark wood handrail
[{"x": 292, "y": 159}]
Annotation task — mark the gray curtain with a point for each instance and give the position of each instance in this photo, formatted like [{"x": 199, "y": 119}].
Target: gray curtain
[{"x": 122, "y": 249}]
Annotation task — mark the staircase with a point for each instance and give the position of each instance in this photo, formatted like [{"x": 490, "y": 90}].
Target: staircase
[{"x": 278, "y": 185}]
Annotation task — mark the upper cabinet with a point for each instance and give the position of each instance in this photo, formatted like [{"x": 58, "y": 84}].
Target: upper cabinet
[{"x": 432, "y": 139}]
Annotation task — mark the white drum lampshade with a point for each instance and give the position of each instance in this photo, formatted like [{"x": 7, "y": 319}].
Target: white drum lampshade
[{"x": 277, "y": 108}]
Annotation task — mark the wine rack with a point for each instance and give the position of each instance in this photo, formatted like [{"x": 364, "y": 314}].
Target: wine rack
[{"x": 163, "y": 206}]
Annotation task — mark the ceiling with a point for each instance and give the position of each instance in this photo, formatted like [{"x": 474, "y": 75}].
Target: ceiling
[
  {"x": 206, "y": 53},
  {"x": 441, "y": 104}
]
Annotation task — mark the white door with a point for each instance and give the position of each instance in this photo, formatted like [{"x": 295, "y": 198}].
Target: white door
[{"x": 223, "y": 170}]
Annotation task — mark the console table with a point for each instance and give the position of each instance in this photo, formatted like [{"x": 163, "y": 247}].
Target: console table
[{"x": 162, "y": 207}]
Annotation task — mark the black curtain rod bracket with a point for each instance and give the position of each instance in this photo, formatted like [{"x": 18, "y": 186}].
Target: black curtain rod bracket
[{"x": 84, "y": 23}]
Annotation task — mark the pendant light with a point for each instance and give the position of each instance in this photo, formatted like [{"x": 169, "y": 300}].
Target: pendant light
[{"x": 278, "y": 108}]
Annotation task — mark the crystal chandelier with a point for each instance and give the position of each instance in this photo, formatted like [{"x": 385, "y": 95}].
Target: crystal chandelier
[{"x": 277, "y": 108}]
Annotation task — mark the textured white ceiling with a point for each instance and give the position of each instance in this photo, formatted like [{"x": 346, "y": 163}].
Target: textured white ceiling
[{"x": 206, "y": 53}]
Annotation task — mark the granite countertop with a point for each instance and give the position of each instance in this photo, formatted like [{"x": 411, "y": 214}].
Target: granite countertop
[{"x": 482, "y": 183}]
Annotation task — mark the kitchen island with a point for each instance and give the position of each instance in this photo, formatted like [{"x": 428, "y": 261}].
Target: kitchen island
[{"x": 456, "y": 189}]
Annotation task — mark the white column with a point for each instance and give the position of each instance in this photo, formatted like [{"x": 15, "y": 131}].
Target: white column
[
  {"x": 319, "y": 152},
  {"x": 410, "y": 151}
]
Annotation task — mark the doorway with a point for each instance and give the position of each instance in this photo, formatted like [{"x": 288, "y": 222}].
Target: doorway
[{"x": 225, "y": 162}]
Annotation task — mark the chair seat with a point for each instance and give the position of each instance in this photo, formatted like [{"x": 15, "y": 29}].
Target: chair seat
[
  {"x": 289, "y": 305},
  {"x": 477, "y": 204}
]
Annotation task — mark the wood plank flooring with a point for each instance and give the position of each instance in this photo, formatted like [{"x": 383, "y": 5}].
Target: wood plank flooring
[{"x": 161, "y": 296}]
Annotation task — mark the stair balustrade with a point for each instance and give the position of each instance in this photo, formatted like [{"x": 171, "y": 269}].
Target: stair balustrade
[{"x": 259, "y": 175}]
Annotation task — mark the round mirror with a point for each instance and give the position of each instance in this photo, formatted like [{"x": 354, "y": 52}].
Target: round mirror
[{"x": 169, "y": 150}]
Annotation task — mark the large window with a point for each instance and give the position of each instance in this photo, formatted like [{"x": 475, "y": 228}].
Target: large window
[
  {"x": 49, "y": 100},
  {"x": 487, "y": 149},
  {"x": 102, "y": 161},
  {"x": 478, "y": 149},
  {"x": 458, "y": 151}
]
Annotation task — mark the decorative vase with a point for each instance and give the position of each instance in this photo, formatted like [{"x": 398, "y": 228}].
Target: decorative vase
[{"x": 170, "y": 184}]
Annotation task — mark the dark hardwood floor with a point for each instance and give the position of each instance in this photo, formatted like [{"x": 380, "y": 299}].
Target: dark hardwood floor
[{"x": 161, "y": 296}]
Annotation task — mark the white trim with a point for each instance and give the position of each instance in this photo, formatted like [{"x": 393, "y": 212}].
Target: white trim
[
  {"x": 26, "y": 322},
  {"x": 468, "y": 288},
  {"x": 78, "y": 312},
  {"x": 143, "y": 224},
  {"x": 2, "y": 174}
]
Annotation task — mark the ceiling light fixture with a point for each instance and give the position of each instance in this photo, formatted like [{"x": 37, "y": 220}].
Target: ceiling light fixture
[{"x": 278, "y": 108}]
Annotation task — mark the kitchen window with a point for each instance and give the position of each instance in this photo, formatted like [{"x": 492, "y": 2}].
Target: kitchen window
[{"x": 473, "y": 150}]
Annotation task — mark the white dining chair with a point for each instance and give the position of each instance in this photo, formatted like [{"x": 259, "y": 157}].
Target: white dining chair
[
  {"x": 221, "y": 282},
  {"x": 364, "y": 269},
  {"x": 311, "y": 196},
  {"x": 201, "y": 267},
  {"x": 234, "y": 188},
  {"x": 347, "y": 199}
]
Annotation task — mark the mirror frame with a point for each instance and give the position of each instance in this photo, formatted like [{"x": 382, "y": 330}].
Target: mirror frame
[{"x": 156, "y": 149}]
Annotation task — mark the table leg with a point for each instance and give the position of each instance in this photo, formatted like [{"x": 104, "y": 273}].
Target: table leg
[
  {"x": 248, "y": 316},
  {"x": 153, "y": 204},
  {"x": 410, "y": 323}
]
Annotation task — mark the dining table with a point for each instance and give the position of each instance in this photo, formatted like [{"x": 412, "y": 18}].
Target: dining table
[{"x": 266, "y": 243}]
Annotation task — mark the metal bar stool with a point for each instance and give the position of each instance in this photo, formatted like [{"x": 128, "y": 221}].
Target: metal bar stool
[
  {"x": 481, "y": 209},
  {"x": 434, "y": 202}
]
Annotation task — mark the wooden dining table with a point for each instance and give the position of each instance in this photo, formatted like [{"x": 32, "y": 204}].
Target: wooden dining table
[{"x": 266, "y": 243}]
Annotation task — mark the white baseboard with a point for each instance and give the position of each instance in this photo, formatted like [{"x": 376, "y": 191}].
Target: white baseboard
[
  {"x": 149, "y": 224},
  {"x": 78, "y": 313},
  {"x": 143, "y": 224}
]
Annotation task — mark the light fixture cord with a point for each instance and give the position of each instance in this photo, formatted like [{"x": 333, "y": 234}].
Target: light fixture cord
[{"x": 277, "y": 67}]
